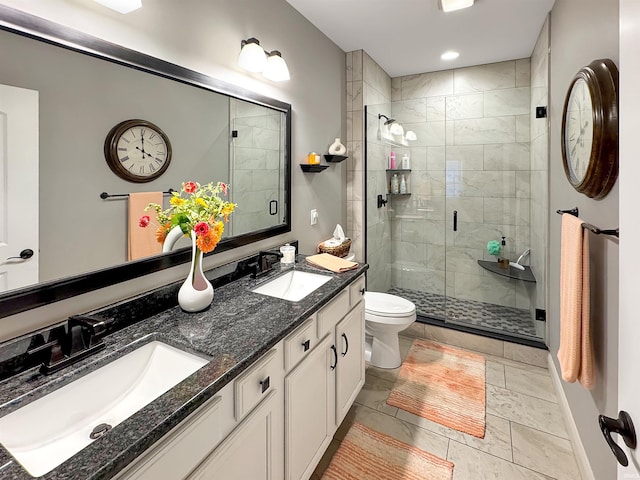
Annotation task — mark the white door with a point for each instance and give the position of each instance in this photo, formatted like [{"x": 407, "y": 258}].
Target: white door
[
  {"x": 18, "y": 186},
  {"x": 629, "y": 178}
]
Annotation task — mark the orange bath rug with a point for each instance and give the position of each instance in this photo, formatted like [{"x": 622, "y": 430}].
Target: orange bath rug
[
  {"x": 367, "y": 454},
  {"x": 443, "y": 384}
]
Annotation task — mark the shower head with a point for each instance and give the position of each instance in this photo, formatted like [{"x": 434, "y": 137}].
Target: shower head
[{"x": 388, "y": 121}]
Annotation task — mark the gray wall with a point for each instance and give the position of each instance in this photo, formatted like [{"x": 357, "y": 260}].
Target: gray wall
[
  {"x": 205, "y": 36},
  {"x": 582, "y": 31}
]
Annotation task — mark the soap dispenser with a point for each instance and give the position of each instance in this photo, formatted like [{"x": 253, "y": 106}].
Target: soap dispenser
[{"x": 403, "y": 185}]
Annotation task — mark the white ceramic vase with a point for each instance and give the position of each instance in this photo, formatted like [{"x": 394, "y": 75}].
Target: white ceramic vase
[
  {"x": 337, "y": 148},
  {"x": 172, "y": 237},
  {"x": 196, "y": 293}
]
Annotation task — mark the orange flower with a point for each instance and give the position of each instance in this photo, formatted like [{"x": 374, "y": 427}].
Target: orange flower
[
  {"x": 207, "y": 242},
  {"x": 161, "y": 232}
]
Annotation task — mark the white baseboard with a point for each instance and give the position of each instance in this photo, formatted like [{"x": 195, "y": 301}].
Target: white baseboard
[{"x": 572, "y": 429}]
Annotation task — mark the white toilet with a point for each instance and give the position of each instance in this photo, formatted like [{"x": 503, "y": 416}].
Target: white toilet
[{"x": 385, "y": 317}]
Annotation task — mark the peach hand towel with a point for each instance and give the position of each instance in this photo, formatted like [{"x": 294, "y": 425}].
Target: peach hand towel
[
  {"x": 576, "y": 352},
  {"x": 331, "y": 262},
  {"x": 142, "y": 241}
]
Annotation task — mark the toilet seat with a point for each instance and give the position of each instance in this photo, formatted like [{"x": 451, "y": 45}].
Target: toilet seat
[{"x": 384, "y": 305}]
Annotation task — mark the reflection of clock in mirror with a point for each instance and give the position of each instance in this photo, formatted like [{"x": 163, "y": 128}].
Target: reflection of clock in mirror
[
  {"x": 137, "y": 151},
  {"x": 590, "y": 129}
]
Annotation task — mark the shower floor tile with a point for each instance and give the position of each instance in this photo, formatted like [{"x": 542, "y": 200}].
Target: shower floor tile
[{"x": 508, "y": 320}]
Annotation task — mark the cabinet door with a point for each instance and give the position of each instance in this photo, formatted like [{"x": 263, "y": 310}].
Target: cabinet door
[
  {"x": 252, "y": 451},
  {"x": 351, "y": 366},
  {"x": 309, "y": 407}
]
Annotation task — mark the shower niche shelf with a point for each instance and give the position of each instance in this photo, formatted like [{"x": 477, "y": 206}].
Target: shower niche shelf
[
  {"x": 525, "y": 275},
  {"x": 313, "y": 167},
  {"x": 335, "y": 158},
  {"x": 391, "y": 170}
]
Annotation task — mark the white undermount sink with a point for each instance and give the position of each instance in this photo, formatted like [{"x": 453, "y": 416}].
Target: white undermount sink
[
  {"x": 48, "y": 431},
  {"x": 293, "y": 285}
]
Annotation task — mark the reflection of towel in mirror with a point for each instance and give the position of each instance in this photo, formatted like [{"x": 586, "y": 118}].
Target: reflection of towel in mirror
[
  {"x": 142, "y": 241},
  {"x": 575, "y": 353}
]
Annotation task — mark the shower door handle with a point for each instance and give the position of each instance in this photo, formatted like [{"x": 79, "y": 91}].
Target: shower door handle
[{"x": 455, "y": 220}]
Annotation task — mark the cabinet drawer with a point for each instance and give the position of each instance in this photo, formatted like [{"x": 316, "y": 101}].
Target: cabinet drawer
[
  {"x": 356, "y": 291},
  {"x": 257, "y": 382},
  {"x": 300, "y": 343},
  {"x": 333, "y": 312}
]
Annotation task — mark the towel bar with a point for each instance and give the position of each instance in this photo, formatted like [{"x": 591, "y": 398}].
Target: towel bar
[
  {"x": 105, "y": 195},
  {"x": 573, "y": 211},
  {"x": 612, "y": 231}
]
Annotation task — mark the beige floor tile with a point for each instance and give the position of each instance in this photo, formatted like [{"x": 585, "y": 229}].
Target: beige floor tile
[
  {"x": 465, "y": 340},
  {"x": 525, "y": 354},
  {"x": 403, "y": 431},
  {"x": 526, "y": 410},
  {"x": 496, "y": 441},
  {"x": 544, "y": 453},
  {"x": 516, "y": 364},
  {"x": 416, "y": 329},
  {"x": 531, "y": 383},
  {"x": 472, "y": 464},
  {"x": 374, "y": 394},
  {"x": 495, "y": 374}
]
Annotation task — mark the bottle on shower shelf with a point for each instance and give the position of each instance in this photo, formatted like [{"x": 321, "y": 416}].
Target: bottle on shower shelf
[
  {"x": 392, "y": 161},
  {"x": 395, "y": 184},
  {"x": 403, "y": 185},
  {"x": 406, "y": 163}
]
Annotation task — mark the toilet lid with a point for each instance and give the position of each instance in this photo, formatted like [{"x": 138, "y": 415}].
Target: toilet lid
[{"x": 387, "y": 305}]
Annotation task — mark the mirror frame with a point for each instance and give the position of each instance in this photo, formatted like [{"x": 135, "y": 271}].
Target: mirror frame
[{"x": 40, "y": 294}]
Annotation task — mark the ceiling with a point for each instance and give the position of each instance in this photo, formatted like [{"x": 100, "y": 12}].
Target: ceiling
[{"x": 408, "y": 36}]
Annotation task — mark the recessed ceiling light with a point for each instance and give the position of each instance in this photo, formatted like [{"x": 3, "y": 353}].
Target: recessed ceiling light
[
  {"x": 451, "y": 5},
  {"x": 450, "y": 55}
]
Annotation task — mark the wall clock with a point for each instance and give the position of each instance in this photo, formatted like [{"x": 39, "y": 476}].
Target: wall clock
[
  {"x": 137, "y": 150},
  {"x": 590, "y": 129}
]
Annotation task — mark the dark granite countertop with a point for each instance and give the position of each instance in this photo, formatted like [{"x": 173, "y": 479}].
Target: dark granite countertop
[{"x": 234, "y": 332}]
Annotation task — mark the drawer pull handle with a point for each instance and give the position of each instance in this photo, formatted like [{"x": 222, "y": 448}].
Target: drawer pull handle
[
  {"x": 335, "y": 357},
  {"x": 346, "y": 342},
  {"x": 362, "y": 290},
  {"x": 306, "y": 345},
  {"x": 265, "y": 384}
]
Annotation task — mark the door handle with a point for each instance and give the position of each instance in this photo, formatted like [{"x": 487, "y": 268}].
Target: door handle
[
  {"x": 24, "y": 254},
  {"x": 455, "y": 220},
  {"x": 273, "y": 207},
  {"x": 346, "y": 342},
  {"x": 335, "y": 357},
  {"x": 622, "y": 426}
]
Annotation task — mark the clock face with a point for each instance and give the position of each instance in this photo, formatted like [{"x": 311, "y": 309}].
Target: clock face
[
  {"x": 578, "y": 134},
  {"x": 137, "y": 150}
]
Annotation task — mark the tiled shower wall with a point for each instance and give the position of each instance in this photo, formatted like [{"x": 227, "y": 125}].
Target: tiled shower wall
[
  {"x": 472, "y": 156},
  {"x": 540, "y": 164},
  {"x": 257, "y": 161}
]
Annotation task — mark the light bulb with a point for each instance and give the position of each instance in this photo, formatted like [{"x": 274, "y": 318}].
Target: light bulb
[{"x": 276, "y": 69}]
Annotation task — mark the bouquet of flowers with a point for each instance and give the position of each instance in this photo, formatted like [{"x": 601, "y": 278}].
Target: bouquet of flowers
[{"x": 196, "y": 209}]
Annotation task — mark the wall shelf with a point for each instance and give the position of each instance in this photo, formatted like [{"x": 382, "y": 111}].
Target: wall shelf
[
  {"x": 525, "y": 275},
  {"x": 335, "y": 158},
  {"x": 312, "y": 168},
  {"x": 398, "y": 194},
  {"x": 398, "y": 170}
]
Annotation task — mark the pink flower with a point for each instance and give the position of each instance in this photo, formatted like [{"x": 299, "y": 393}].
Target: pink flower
[
  {"x": 201, "y": 228},
  {"x": 145, "y": 220},
  {"x": 190, "y": 187},
  {"x": 224, "y": 187}
]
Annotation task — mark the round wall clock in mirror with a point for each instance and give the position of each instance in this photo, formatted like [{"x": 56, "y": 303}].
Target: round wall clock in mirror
[
  {"x": 590, "y": 129},
  {"x": 137, "y": 150}
]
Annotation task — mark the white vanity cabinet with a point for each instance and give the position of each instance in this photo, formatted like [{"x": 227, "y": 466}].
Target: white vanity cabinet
[
  {"x": 320, "y": 390},
  {"x": 276, "y": 419}
]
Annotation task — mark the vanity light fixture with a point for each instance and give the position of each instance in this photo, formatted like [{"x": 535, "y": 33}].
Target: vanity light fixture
[
  {"x": 451, "y": 5},
  {"x": 122, "y": 6},
  {"x": 255, "y": 59},
  {"x": 449, "y": 55}
]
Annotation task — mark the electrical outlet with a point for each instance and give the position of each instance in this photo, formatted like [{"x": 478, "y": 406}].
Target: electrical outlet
[{"x": 314, "y": 216}]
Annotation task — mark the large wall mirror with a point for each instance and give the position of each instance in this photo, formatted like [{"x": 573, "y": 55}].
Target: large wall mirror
[{"x": 85, "y": 86}]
